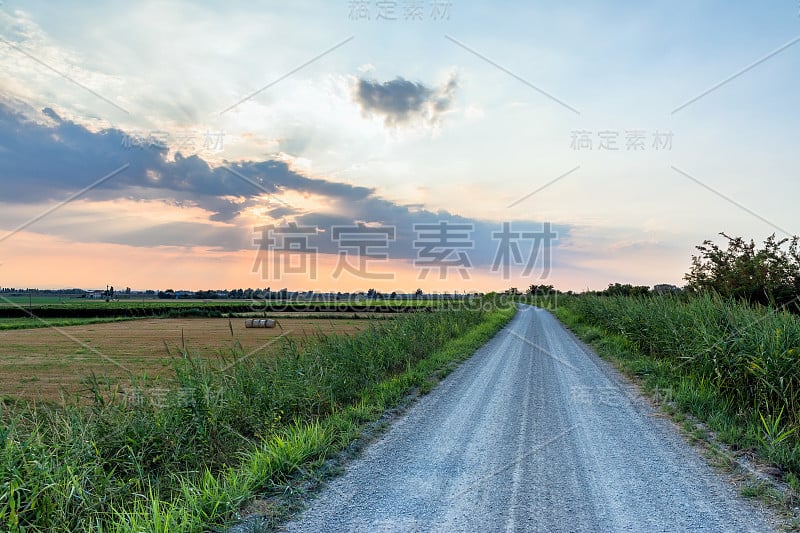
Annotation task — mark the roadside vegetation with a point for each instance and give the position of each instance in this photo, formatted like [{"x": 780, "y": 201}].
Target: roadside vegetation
[
  {"x": 726, "y": 349},
  {"x": 189, "y": 460}
]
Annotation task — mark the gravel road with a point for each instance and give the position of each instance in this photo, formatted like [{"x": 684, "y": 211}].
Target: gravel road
[{"x": 533, "y": 433}]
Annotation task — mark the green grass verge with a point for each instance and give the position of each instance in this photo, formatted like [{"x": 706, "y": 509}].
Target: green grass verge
[
  {"x": 222, "y": 437},
  {"x": 733, "y": 367}
]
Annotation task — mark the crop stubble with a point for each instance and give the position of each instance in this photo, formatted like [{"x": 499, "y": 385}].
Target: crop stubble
[{"x": 42, "y": 363}]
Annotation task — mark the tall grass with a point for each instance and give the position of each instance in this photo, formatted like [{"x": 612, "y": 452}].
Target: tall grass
[
  {"x": 189, "y": 461},
  {"x": 733, "y": 365}
]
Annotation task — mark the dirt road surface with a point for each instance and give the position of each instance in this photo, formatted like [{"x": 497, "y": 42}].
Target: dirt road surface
[{"x": 533, "y": 433}]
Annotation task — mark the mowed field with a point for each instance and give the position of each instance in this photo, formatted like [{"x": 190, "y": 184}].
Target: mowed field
[{"x": 44, "y": 363}]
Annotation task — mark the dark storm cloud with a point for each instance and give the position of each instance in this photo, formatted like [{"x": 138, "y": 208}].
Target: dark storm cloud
[
  {"x": 402, "y": 101},
  {"x": 46, "y": 160}
]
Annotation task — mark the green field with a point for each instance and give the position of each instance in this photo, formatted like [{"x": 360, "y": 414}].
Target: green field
[
  {"x": 91, "y": 309},
  {"x": 28, "y": 323},
  {"x": 37, "y": 300}
]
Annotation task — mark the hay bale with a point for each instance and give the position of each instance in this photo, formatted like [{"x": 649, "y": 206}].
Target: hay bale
[{"x": 248, "y": 323}]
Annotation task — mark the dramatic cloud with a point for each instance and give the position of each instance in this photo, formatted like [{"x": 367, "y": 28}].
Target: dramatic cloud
[
  {"x": 55, "y": 158},
  {"x": 402, "y": 102}
]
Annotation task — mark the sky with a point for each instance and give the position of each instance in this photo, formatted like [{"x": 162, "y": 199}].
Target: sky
[{"x": 450, "y": 146}]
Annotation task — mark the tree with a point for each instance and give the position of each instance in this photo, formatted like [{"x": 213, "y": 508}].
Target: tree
[
  {"x": 767, "y": 276},
  {"x": 533, "y": 290},
  {"x": 108, "y": 293},
  {"x": 168, "y": 294},
  {"x": 626, "y": 289}
]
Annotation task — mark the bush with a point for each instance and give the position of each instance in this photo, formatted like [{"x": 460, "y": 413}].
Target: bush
[{"x": 767, "y": 276}]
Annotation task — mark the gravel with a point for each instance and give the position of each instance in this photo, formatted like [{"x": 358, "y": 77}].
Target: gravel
[{"x": 533, "y": 433}]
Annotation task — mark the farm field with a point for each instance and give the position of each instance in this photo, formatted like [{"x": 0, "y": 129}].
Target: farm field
[
  {"x": 86, "y": 309},
  {"x": 30, "y": 323},
  {"x": 11, "y": 300},
  {"x": 42, "y": 363}
]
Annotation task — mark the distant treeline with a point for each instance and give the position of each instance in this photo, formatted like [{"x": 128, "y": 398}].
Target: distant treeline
[{"x": 626, "y": 289}]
